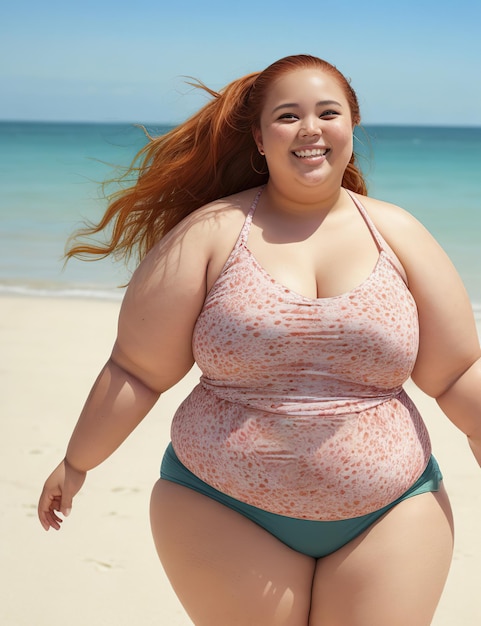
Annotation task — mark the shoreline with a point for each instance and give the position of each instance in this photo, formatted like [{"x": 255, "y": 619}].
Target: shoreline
[
  {"x": 67, "y": 292},
  {"x": 103, "y": 561}
]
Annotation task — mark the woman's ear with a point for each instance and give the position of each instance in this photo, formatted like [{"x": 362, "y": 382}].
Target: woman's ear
[{"x": 256, "y": 133}]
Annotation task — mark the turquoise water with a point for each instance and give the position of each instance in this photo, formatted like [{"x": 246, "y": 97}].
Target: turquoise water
[{"x": 50, "y": 175}]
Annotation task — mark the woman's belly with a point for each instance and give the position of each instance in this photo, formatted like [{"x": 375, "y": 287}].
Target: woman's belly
[{"x": 308, "y": 467}]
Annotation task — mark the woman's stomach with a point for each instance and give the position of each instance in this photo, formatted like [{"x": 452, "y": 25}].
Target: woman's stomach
[{"x": 305, "y": 466}]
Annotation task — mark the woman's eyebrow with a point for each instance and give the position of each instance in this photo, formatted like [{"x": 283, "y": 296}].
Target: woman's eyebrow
[{"x": 290, "y": 105}]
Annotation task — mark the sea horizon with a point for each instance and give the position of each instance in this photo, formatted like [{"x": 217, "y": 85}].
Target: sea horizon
[{"x": 173, "y": 124}]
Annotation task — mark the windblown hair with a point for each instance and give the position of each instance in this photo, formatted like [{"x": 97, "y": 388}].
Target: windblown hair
[{"x": 211, "y": 155}]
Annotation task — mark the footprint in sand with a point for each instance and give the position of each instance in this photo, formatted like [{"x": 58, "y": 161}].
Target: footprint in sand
[{"x": 102, "y": 566}]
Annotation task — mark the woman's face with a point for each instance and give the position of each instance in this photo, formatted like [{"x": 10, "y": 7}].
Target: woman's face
[{"x": 306, "y": 129}]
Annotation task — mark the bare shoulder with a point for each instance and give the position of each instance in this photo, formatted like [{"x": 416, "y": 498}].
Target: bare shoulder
[
  {"x": 201, "y": 243},
  {"x": 205, "y": 234},
  {"x": 222, "y": 217},
  {"x": 405, "y": 234},
  {"x": 388, "y": 216}
]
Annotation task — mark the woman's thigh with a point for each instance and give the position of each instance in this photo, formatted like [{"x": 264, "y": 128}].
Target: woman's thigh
[
  {"x": 394, "y": 573},
  {"x": 224, "y": 568}
]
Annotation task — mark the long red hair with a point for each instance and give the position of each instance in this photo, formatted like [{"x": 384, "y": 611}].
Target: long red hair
[{"x": 207, "y": 157}]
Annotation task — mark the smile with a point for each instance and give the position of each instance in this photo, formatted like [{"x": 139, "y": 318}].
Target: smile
[{"x": 311, "y": 153}]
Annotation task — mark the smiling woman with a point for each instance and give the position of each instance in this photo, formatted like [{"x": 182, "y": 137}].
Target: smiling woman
[{"x": 299, "y": 487}]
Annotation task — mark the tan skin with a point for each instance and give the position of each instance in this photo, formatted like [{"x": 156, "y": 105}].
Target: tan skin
[{"x": 224, "y": 568}]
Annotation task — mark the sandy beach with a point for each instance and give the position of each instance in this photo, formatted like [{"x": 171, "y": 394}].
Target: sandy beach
[{"x": 101, "y": 568}]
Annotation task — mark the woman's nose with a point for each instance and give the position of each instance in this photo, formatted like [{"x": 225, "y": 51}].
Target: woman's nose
[{"x": 311, "y": 126}]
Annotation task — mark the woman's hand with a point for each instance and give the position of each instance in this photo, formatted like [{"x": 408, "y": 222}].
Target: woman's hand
[{"x": 59, "y": 489}]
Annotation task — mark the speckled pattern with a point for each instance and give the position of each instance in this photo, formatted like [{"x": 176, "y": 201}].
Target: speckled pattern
[{"x": 300, "y": 409}]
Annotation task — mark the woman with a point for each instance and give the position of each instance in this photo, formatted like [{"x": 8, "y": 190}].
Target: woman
[{"x": 300, "y": 487}]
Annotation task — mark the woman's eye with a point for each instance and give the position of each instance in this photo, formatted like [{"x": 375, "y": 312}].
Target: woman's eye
[{"x": 328, "y": 114}]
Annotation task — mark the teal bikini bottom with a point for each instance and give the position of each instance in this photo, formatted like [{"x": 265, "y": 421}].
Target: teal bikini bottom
[{"x": 313, "y": 538}]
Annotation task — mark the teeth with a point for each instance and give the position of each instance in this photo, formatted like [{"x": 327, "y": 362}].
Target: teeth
[{"x": 310, "y": 153}]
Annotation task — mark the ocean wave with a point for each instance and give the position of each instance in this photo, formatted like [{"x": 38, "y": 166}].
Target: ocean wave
[
  {"x": 477, "y": 311},
  {"x": 57, "y": 291}
]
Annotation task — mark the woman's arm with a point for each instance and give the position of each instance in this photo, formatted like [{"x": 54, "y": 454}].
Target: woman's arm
[
  {"x": 116, "y": 404},
  {"x": 461, "y": 402},
  {"x": 152, "y": 352},
  {"x": 448, "y": 366}
]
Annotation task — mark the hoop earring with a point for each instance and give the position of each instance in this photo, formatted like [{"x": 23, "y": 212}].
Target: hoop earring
[{"x": 253, "y": 155}]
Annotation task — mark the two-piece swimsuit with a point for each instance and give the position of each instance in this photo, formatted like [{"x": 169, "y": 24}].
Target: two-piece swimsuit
[{"x": 300, "y": 421}]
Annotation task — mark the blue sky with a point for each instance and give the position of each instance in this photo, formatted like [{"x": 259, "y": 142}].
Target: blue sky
[{"x": 411, "y": 62}]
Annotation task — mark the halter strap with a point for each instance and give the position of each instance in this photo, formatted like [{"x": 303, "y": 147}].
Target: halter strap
[
  {"x": 381, "y": 243},
  {"x": 244, "y": 234}
]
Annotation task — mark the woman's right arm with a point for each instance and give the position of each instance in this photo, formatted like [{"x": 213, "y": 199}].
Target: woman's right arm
[{"x": 152, "y": 352}]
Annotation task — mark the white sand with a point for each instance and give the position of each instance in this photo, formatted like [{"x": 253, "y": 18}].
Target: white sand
[{"x": 101, "y": 568}]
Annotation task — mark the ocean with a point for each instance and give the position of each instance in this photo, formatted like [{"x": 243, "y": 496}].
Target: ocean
[{"x": 51, "y": 175}]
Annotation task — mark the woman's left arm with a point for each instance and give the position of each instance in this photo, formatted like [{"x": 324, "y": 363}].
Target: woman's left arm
[
  {"x": 448, "y": 365},
  {"x": 461, "y": 402}
]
